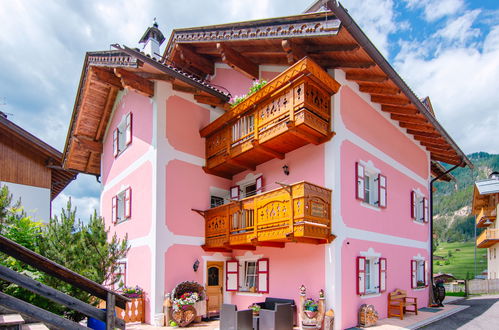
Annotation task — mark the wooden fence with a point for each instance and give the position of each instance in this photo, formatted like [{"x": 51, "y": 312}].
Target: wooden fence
[{"x": 483, "y": 286}]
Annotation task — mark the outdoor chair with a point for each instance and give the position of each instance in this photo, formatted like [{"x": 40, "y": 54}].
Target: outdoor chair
[
  {"x": 232, "y": 319},
  {"x": 281, "y": 318}
]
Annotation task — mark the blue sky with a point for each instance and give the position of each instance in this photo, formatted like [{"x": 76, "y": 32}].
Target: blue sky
[{"x": 447, "y": 49}]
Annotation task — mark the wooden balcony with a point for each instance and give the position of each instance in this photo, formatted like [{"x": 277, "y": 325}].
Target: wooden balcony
[
  {"x": 292, "y": 110},
  {"x": 486, "y": 217},
  {"x": 487, "y": 238},
  {"x": 296, "y": 213}
]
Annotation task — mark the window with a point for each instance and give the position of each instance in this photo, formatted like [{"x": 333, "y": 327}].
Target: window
[
  {"x": 418, "y": 273},
  {"x": 248, "y": 275},
  {"x": 118, "y": 277},
  {"x": 419, "y": 207},
  {"x": 216, "y": 201},
  {"x": 371, "y": 275},
  {"x": 370, "y": 185},
  {"x": 122, "y": 135},
  {"x": 247, "y": 189},
  {"x": 121, "y": 208}
]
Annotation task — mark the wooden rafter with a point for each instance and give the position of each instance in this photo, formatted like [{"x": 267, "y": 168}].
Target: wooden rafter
[
  {"x": 106, "y": 113},
  {"x": 379, "y": 89},
  {"x": 409, "y": 119},
  {"x": 450, "y": 160},
  {"x": 241, "y": 164},
  {"x": 435, "y": 141},
  {"x": 344, "y": 64},
  {"x": 369, "y": 77},
  {"x": 208, "y": 99},
  {"x": 104, "y": 76},
  {"x": 399, "y": 110},
  {"x": 266, "y": 150},
  {"x": 135, "y": 82},
  {"x": 183, "y": 88},
  {"x": 155, "y": 76},
  {"x": 417, "y": 126},
  {"x": 433, "y": 144},
  {"x": 302, "y": 135},
  {"x": 237, "y": 61},
  {"x": 423, "y": 133},
  {"x": 294, "y": 52},
  {"x": 438, "y": 149},
  {"x": 189, "y": 56},
  {"x": 392, "y": 100},
  {"x": 88, "y": 143}
]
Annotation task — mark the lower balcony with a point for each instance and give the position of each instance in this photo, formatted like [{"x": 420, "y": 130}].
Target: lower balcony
[
  {"x": 300, "y": 212},
  {"x": 487, "y": 238},
  {"x": 485, "y": 218}
]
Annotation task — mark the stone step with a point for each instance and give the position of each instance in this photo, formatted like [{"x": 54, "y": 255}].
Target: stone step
[
  {"x": 10, "y": 320},
  {"x": 34, "y": 326}
]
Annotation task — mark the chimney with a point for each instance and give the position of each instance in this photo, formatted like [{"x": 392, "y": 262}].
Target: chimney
[{"x": 152, "y": 40}]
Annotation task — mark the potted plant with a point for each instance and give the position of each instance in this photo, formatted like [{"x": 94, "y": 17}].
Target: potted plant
[
  {"x": 420, "y": 284},
  {"x": 187, "y": 298},
  {"x": 255, "y": 308},
  {"x": 311, "y": 308},
  {"x": 132, "y": 292}
]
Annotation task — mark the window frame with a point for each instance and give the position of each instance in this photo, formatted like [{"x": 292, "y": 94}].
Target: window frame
[
  {"x": 368, "y": 187},
  {"x": 123, "y": 134},
  {"x": 119, "y": 212},
  {"x": 120, "y": 271}
]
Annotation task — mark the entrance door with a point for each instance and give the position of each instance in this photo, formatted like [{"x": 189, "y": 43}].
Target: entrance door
[{"x": 214, "y": 286}]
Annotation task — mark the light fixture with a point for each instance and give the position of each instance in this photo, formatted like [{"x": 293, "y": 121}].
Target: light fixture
[
  {"x": 285, "y": 168},
  {"x": 196, "y": 265}
]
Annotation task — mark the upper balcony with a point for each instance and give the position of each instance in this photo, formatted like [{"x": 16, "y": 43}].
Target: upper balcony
[
  {"x": 294, "y": 213},
  {"x": 487, "y": 238},
  {"x": 486, "y": 217},
  {"x": 292, "y": 110}
]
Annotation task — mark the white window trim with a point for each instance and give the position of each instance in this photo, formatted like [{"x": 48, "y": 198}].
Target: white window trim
[
  {"x": 372, "y": 256},
  {"x": 248, "y": 256},
  {"x": 419, "y": 196},
  {"x": 115, "y": 286},
  {"x": 122, "y": 191},
  {"x": 121, "y": 128},
  {"x": 369, "y": 171},
  {"x": 249, "y": 180},
  {"x": 419, "y": 259}
]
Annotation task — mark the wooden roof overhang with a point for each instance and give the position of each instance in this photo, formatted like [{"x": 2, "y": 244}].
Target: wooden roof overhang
[
  {"x": 104, "y": 74},
  {"x": 334, "y": 41},
  {"x": 483, "y": 200},
  {"x": 52, "y": 158},
  {"x": 438, "y": 171}
]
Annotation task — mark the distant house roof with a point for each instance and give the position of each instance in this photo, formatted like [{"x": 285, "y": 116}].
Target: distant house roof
[
  {"x": 481, "y": 192},
  {"x": 444, "y": 277},
  {"x": 60, "y": 178},
  {"x": 488, "y": 186}
]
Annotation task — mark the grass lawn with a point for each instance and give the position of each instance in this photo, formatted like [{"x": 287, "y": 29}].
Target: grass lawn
[{"x": 461, "y": 262}]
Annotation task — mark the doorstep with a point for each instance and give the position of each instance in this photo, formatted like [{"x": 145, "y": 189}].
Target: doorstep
[{"x": 412, "y": 321}]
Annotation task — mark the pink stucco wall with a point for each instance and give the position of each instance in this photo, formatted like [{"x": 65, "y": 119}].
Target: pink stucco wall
[
  {"x": 139, "y": 267},
  {"x": 140, "y": 222},
  {"x": 184, "y": 119},
  {"x": 179, "y": 259},
  {"x": 188, "y": 187},
  {"x": 398, "y": 277},
  {"x": 395, "y": 219},
  {"x": 141, "y": 108},
  {"x": 236, "y": 83},
  {"x": 363, "y": 120}
]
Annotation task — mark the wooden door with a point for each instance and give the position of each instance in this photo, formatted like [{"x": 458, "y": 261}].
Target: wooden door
[{"x": 214, "y": 286}]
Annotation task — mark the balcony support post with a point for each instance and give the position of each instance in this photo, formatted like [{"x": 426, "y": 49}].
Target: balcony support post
[{"x": 289, "y": 189}]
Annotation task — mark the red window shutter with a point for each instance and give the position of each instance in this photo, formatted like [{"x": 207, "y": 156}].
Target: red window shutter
[
  {"x": 128, "y": 203},
  {"x": 359, "y": 181},
  {"x": 114, "y": 210},
  {"x": 128, "y": 129},
  {"x": 232, "y": 275},
  {"x": 425, "y": 271},
  {"x": 234, "y": 192},
  {"x": 414, "y": 270},
  {"x": 262, "y": 271},
  {"x": 413, "y": 205},
  {"x": 382, "y": 190},
  {"x": 361, "y": 275},
  {"x": 426, "y": 216},
  {"x": 382, "y": 274},
  {"x": 259, "y": 184},
  {"x": 115, "y": 142}
]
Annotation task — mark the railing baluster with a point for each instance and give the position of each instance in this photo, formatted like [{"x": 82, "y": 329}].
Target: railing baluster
[{"x": 110, "y": 311}]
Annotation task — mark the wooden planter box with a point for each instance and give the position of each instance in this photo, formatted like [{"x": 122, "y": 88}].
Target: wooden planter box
[{"x": 134, "y": 312}]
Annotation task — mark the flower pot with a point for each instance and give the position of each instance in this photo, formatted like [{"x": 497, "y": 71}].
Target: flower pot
[
  {"x": 311, "y": 314},
  {"x": 256, "y": 313}
]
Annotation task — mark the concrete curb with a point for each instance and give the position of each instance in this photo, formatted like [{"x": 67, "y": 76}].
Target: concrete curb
[
  {"x": 437, "y": 317},
  {"x": 455, "y": 300}
]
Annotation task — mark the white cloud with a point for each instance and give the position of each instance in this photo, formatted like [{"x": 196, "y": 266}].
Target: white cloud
[
  {"x": 459, "y": 30},
  {"x": 436, "y": 9},
  {"x": 85, "y": 206}
]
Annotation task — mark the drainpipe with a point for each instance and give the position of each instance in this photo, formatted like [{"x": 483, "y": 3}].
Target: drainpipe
[{"x": 431, "y": 224}]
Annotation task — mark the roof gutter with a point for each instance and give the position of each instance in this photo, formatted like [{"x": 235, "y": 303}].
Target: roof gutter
[
  {"x": 352, "y": 27},
  {"x": 171, "y": 72}
]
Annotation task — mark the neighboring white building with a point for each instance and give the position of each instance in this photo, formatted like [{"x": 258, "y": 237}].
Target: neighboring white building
[
  {"x": 31, "y": 169},
  {"x": 485, "y": 205}
]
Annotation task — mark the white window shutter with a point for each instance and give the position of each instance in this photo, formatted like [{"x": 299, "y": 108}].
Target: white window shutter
[
  {"x": 413, "y": 205},
  {"x": 361, "y": 275},
  {"x": 114, "y": 210},
  {"x": 426, "y": 215},
  {"x": 382, "y": 274},
  {"x": 259, "y": 184},
  {"x": 414, "y": 270},
  {"x": 128, "y": 203},
  {"x": 382, "y": 190},
  {"x": 234, "y": 192},
  {"x": 359, "y": 181},
  {"x": 232, "y": 275},
  {"x": 262, "y": 270},
  {"x": 128, "y": 129},
  {"x": 115, "y": 142}
]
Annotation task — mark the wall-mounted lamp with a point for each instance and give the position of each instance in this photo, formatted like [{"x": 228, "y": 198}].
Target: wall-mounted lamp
[
  {"x": 195, "y": 266},
  {"x": 285, "y": 168}
]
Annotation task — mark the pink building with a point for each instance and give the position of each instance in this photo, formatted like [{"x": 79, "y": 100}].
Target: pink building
[{"x": 320, "y": 178}]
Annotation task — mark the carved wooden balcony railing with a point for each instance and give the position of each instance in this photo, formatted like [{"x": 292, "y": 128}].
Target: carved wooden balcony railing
[
  {"x": 292, "y": 110},
  {"x": 296, "y": 213},
  {"x": 487, "y": 238},
  {"x": 486, "y": 217}
]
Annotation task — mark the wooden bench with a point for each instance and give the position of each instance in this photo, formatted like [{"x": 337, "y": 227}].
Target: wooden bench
[{"x": 399, "y": 301}]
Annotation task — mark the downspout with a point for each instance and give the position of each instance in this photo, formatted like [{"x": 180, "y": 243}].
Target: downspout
[{"x": 431, "y": 225}]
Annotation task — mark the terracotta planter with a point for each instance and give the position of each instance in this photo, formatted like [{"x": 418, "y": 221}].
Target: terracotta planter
[{"x": 311, "y": 314}]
